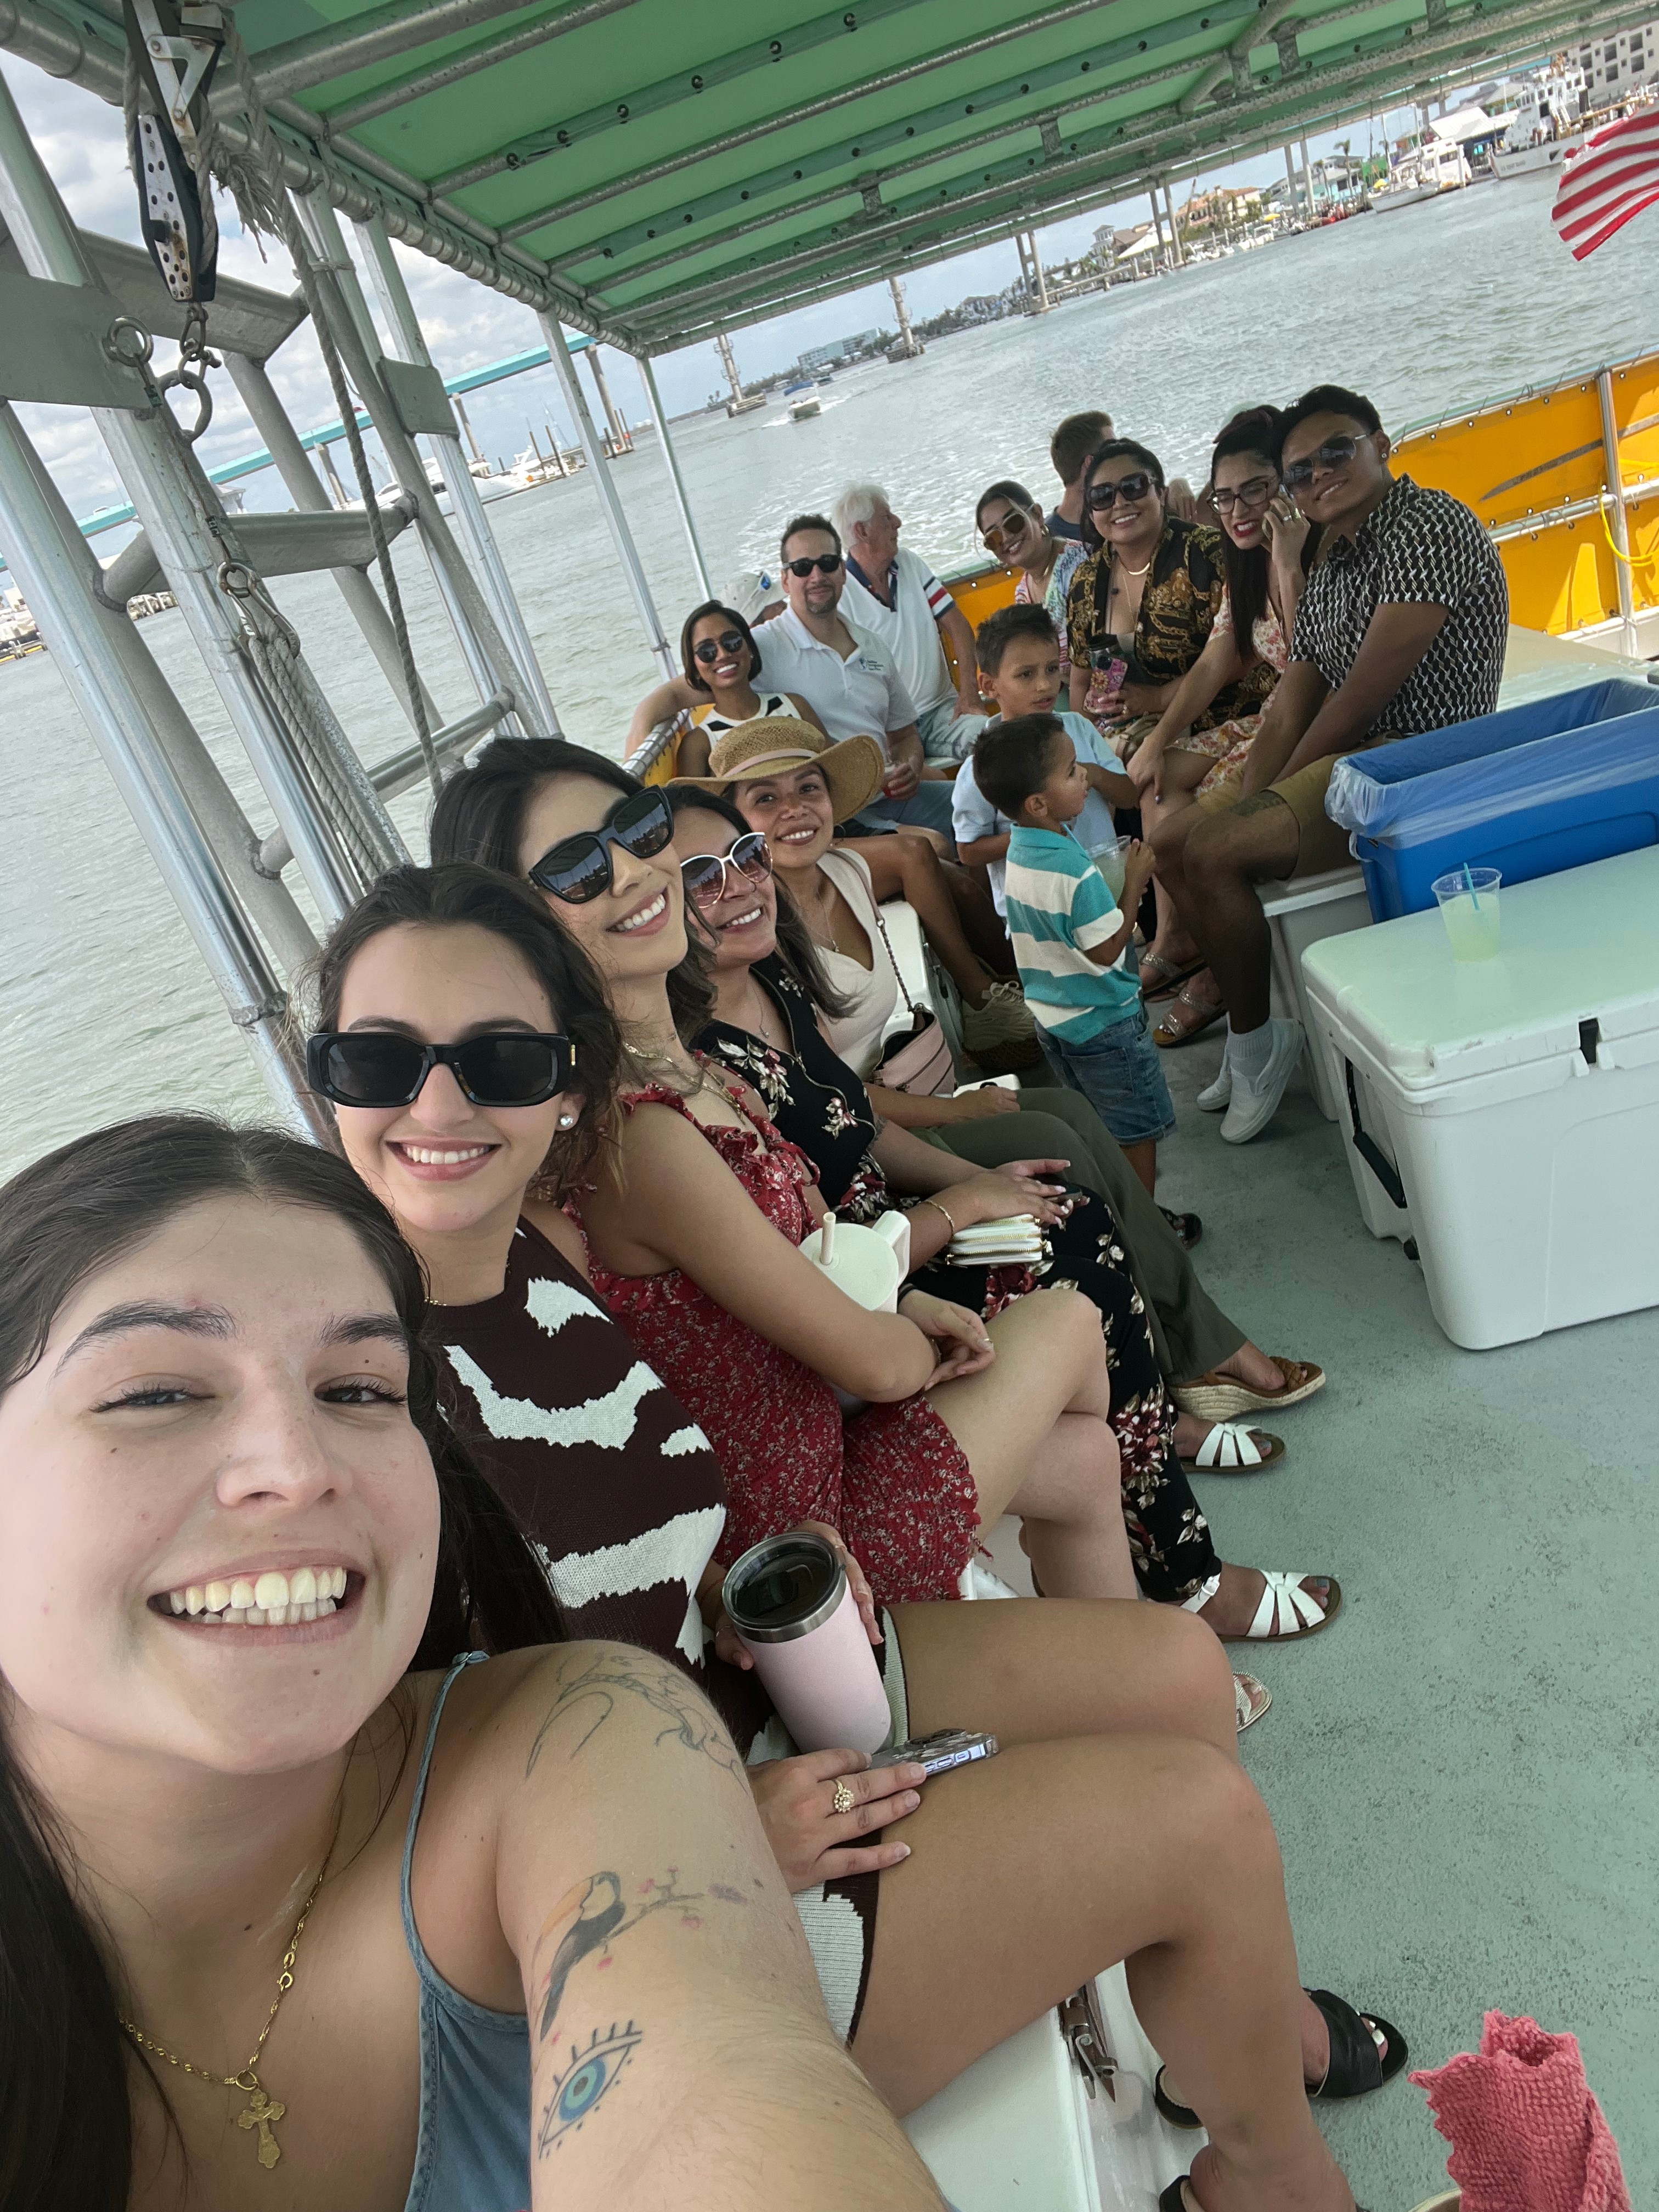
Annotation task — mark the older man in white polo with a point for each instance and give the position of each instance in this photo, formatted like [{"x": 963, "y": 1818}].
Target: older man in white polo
[{"x": 893, "y": 597}]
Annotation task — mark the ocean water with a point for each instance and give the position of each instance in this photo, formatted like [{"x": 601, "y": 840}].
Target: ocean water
[{"x": 105, "y": 1010}]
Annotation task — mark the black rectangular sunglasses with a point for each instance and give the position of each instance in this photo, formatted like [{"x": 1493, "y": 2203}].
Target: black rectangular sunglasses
[
  {"x": 379, "y": 1067},
  {"x": 578, "y": 869}
]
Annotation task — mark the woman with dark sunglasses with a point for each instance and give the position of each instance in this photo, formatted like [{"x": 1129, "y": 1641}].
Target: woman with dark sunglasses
[
  {"x": 720, "y": 658},
  {"x": 1141, "y": 607},
  {"x": 1267, "y": 549},
  {"x": 1015, "y": 532}
]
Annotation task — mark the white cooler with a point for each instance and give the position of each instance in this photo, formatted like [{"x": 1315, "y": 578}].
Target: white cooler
[{"x": 1504, "y": 1113}]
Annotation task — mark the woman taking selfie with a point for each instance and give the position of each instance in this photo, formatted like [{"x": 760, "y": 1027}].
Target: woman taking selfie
[
  {"x": 290, "y": 1913},
  {"x": 453, "y": 961},
  {"x": 1267, "y": 547}
]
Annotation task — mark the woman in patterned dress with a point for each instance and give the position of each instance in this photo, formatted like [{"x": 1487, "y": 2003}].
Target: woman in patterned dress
[
  {"x": 1115, "y": 1820},
  {"x": 764, "y": 1030},
  {"x": 1267, "y": 548}
]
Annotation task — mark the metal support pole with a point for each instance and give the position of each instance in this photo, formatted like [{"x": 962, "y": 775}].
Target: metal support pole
[
  {"x": 729, "y": 361},
  {"x": 619, "y": 441},
  {"x": 92, "y": 657},
  {"x": 386, "y": 279},
  {"x": 1043, "y": 301},
  {"x": 1175, "y": 226},
  {"x": 671, "y": 461},
  {"x": 1158, "y": 222},
  {"x": 333, "y": 474},
  {"x": 1618, "y": 521},
  {"x": 170, "y": 492},
  {"x": 1307, "y": 180},
  {"x": 1293, "y": 195},
  {"x": 461, "y": 417},
  {"x": 489, "y": 662},
  {"x": 599, "y": 469},
  {"x": 906, "y": 338},
  {"x": 258, "y": 395}
]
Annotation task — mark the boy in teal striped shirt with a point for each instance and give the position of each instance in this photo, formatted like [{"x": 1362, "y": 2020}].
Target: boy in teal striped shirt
[{"x": 1070, "y": 939}]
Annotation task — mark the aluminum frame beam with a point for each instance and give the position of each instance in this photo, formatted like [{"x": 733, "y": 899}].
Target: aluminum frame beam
[
  {"x": 380, "y": 34},
  {"x": 403, "y": 325},
  {"x": 677, "y": 482},
  {"x": 610, "y": 506}
]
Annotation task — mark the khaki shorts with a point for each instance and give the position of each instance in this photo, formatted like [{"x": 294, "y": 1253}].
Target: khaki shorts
[{"x": 1322, "y": 844}]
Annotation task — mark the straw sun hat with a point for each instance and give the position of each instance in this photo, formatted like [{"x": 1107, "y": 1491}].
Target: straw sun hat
[{"x": 771, "y": 744}]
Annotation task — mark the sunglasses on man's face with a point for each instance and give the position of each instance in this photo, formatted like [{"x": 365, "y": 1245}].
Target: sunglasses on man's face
[
  {"x": 1127, "y": 489},
  {"x": 826, "y": 563},
  {"x": 704, "y": 873},
  {"x": 578, "y": 869},
  {"x": 729, "y": 643},
  {"x": 1256, "y": 493},
  {"x": 379, "y": 1067},
  {"x": 1335, "y": 453}
]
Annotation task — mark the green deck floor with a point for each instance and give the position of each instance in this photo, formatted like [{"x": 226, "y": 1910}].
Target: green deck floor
[{"x": 1462, "y": 1771}]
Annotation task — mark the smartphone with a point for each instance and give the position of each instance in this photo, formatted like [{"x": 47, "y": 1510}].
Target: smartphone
[
  {"x": 946, "y": 1749},
  {"x": 1107, "y": 659}
]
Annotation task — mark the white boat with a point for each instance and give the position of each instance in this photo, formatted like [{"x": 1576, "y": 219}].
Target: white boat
[
  {"x": 1527, "y": 160},
  {"x": 804, "y": 401},
  {"x": 1423, "y": 172}
]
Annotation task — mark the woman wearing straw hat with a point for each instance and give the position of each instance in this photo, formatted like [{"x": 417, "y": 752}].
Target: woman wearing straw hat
[{"x": 838, "y": 892}]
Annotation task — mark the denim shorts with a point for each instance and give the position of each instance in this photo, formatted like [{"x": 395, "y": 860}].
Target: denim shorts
[{"x": 1121, "y": 1075}]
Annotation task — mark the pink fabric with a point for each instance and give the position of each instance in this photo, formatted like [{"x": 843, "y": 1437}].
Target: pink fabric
[{"x": 1523, "y": 2124}]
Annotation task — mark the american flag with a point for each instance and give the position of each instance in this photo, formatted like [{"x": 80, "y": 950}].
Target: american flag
[{"x": 1613, "y": 176}]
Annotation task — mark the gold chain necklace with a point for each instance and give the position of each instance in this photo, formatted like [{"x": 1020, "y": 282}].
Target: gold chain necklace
[{"x": 262, "y": 2112}]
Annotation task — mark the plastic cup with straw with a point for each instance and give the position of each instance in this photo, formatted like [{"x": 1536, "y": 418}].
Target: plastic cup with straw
[{"x": 1468, "y": 906}]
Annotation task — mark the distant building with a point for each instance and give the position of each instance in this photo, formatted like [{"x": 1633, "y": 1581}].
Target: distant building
[
  {"x": 826, "y": 356},
  {"x": 1614, "y": 65}
]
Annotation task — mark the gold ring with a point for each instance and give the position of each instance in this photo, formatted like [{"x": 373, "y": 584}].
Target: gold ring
[{"x": 844, "y": 1800}]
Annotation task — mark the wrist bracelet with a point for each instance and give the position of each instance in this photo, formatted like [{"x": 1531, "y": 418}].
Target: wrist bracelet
[{"x": 938, "y": 1208}]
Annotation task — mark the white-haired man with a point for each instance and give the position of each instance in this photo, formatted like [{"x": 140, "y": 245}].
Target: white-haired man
[{"x": 895, "y": 598}]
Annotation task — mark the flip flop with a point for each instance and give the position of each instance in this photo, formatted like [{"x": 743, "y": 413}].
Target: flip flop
[
  {"x": 1230, "y": 1448},
  {"x": 1187, "y": 1226},
  {"x": 1355, "y": 2067},
  {"x": 1165, "y": 1036},
  {"x": 1168, "y": 976},
  {"x": 1216, "y": 1397}
]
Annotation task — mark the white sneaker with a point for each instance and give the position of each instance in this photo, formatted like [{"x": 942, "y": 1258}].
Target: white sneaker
[
  {"x": 1253, "y": 1104},
  {"x": 1214, "y": 1095}
]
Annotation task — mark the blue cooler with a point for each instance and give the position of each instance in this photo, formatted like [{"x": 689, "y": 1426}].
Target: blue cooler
[{"x": 1530, "y": 791}]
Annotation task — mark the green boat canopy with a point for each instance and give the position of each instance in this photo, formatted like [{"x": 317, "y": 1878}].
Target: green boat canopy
[{"x": 653, "y": 171}]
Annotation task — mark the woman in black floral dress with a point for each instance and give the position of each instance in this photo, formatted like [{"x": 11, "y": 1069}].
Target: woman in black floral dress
[{"x": 766, "y": 1030}]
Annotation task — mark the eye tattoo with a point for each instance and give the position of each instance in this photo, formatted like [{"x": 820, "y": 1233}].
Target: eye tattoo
[{"x": 584, "y": 2082}]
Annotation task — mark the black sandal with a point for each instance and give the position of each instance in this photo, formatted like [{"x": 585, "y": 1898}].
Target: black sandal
[
  {"x": 1356, "y": 2066},
  {"x": 1187, "y": 1226}
]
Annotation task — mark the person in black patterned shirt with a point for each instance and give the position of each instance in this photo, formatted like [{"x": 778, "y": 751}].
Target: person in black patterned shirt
[{"x": 1400, "y": 629}]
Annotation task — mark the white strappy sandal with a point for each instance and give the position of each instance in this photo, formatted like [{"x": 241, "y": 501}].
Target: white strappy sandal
[
  {"x": 1230, "y": 1448},
  {"x": 1251, "y": 1699},
  {"x": 1287, "y": 1610}
]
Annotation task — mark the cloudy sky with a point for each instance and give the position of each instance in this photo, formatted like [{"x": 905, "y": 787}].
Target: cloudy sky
[{"x": 466, "y": 325}]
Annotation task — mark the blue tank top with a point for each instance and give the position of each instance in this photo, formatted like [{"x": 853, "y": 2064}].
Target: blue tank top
[{"x": 473, "y": 2153}]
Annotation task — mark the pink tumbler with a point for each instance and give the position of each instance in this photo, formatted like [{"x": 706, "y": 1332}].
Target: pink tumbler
[{"x": 790, "y": 1601}]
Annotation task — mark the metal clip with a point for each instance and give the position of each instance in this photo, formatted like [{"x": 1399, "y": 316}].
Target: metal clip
[
  {"x": 181, "y": 63},
  {"x": 189, "y": 380},
  {"x": 1084, "y": 2031}
]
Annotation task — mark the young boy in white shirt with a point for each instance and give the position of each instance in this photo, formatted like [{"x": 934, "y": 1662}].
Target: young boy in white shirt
[{"x": 1019, "y": 652}]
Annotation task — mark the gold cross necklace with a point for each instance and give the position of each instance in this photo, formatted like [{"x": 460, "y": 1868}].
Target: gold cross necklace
[{"x": 262, "y": 2112}]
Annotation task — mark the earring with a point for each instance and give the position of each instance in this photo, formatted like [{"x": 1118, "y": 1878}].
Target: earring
[{"x": 566, "y": 1120}]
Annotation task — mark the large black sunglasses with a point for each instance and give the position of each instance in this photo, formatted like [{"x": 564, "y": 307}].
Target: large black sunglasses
[
  {"x": 1129, "y": 488},
  {"x": 708, "y": 650},
  {"x": 704, "y": 873},
  {"x": 1335, "y": 453},
  {"x": 829, "y": 562},
  {"x": 578, "y": 869},
  {"x": 379, "y": 1067}
]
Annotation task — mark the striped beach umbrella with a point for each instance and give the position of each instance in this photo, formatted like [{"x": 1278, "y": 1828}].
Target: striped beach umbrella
[{"x": 1613, "y": 176}]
